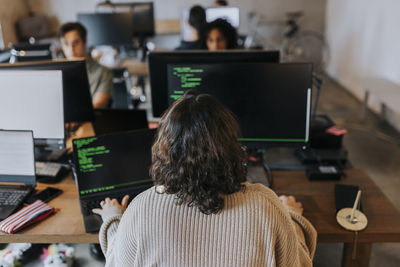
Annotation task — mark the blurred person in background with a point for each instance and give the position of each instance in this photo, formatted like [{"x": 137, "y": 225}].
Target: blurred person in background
[
  {"x": 73, "y": 37},
  {"x": 220, "y": 35},
  {"x": 196, "y": 22}
]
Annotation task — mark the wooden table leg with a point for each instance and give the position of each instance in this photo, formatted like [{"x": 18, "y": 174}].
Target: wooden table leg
[{"x": 363, "y": 254}]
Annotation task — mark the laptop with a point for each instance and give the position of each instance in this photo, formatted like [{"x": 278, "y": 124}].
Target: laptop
[
  {"x": 17, "y": 170},
  {"x": 112, "y": 166},
  {"x": 119, "y": 120}
]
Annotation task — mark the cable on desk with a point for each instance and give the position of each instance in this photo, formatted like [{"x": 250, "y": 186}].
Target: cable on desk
[{"x": 270, "y": 176}]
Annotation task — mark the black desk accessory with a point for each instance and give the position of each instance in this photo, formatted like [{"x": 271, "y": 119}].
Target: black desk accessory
[{"x": 324, "y": 173}]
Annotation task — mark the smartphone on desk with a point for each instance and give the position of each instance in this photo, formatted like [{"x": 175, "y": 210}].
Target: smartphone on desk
[{"x": 45, "y": 195}]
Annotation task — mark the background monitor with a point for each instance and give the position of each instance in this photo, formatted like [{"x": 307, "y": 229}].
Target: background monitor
[
  {"x": 159, "y": 61},
  {"x": 109, "y": 121},
  {"x": 229, "y": 13},
  {"x": 76, "y": 90},
  {"x": 33, "y": 100},
  {"x": 107, "y": 28},
  {"x": 143, "y": 19}
]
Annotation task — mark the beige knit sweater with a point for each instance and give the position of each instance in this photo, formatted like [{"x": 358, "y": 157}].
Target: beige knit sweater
[{"x": 253, "y": 229}]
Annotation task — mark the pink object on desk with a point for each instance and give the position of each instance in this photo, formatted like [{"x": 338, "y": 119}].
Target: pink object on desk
[
  {"x": 336, "y": 130},
  {"x": 32, "y": 213}
]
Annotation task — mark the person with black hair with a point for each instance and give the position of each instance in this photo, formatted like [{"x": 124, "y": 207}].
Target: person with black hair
[
  {"x": 73, "y": 43},
  {"x": 197, "y": 22},
  {"x": 220, "y": 35},
  {"x": 201, "y": 211}
]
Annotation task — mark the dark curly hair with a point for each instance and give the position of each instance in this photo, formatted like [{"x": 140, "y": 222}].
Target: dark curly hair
[
  {"x": 196, "y": 154},
  {"x": 226, "y": 29}
]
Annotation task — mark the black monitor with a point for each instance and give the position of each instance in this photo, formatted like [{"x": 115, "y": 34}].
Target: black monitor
[
  {"x": 271, "y": 101},
  {"x": 109, "y": 121},
  {"x": 143, "y": 19},
  {"x": 159, "y": 61},
  {"x": 107, "y": 28},
  {"x": 76, "y": 90}
]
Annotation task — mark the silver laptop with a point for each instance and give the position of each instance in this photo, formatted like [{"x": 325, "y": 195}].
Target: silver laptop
[{"x": 17, "y": 169}]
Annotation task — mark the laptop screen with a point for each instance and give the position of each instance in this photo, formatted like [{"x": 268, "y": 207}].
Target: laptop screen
[
  {"x": 113, "y": 161},
  {"x": 17, "y": 164}
]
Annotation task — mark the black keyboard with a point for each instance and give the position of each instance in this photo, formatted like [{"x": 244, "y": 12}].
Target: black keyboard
[
  {"x": 94, "y": 203},
  {"x": 12, "y": 197}
]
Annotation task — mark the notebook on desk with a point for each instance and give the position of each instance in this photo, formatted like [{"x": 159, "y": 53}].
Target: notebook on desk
[
  {"x": 17, "y": 170},
  {"x": 112, "y": 166}
]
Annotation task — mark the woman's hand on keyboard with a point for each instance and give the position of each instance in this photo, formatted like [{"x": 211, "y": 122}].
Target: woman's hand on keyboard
[{"x": 111, "y": 207}]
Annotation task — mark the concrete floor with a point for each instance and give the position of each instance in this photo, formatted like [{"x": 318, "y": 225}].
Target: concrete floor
[{"x": 372, "y": 146}]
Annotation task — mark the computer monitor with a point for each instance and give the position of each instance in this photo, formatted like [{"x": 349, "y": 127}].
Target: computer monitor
[
  {"x": 229, "y": 13},
  {"x": 159, "y": 61},
  {"x": 109, "y": 121},
  {"x": 76, "y": 90},
  {"x": 33, "y": 100},
  {"x": 271, "y": 101},
  {"x": 143, "y": 19},
  {"x": 107, "y": 28}
]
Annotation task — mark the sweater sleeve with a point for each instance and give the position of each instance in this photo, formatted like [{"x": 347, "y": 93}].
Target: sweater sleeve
[
  {"x": 107, "y": 233},
  {"x": 296, "y": 241},
  {"x": 117, "y": 239},
  {"x": 296, "y": 238},
  {"x": 305, "y": 231}
]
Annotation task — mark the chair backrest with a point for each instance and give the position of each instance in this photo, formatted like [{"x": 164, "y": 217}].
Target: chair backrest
[{"x": 36, "y": 26}]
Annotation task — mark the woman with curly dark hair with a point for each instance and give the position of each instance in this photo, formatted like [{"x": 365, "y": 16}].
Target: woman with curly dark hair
[
  {"x": 220, "y": 35},
  {"x": 201, "y": 212}
]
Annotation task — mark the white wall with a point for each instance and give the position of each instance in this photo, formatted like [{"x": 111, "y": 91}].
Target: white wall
[
  {"x": 364, "y": 40},
  {"x": 66, "y": 10}
]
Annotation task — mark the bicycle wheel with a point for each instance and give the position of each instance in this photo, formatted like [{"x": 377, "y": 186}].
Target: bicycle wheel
[{"x": 308, "y": 46}]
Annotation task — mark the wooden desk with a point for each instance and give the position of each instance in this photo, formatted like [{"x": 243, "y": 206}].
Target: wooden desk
[
  {"x": 66, "y": 226},
  {"x": 319, "y": 207}
]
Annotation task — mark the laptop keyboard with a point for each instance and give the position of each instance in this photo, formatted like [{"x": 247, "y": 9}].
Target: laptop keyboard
[
  {"x": 12, "y": 197},
  {"x": 94, "y": 203}
]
